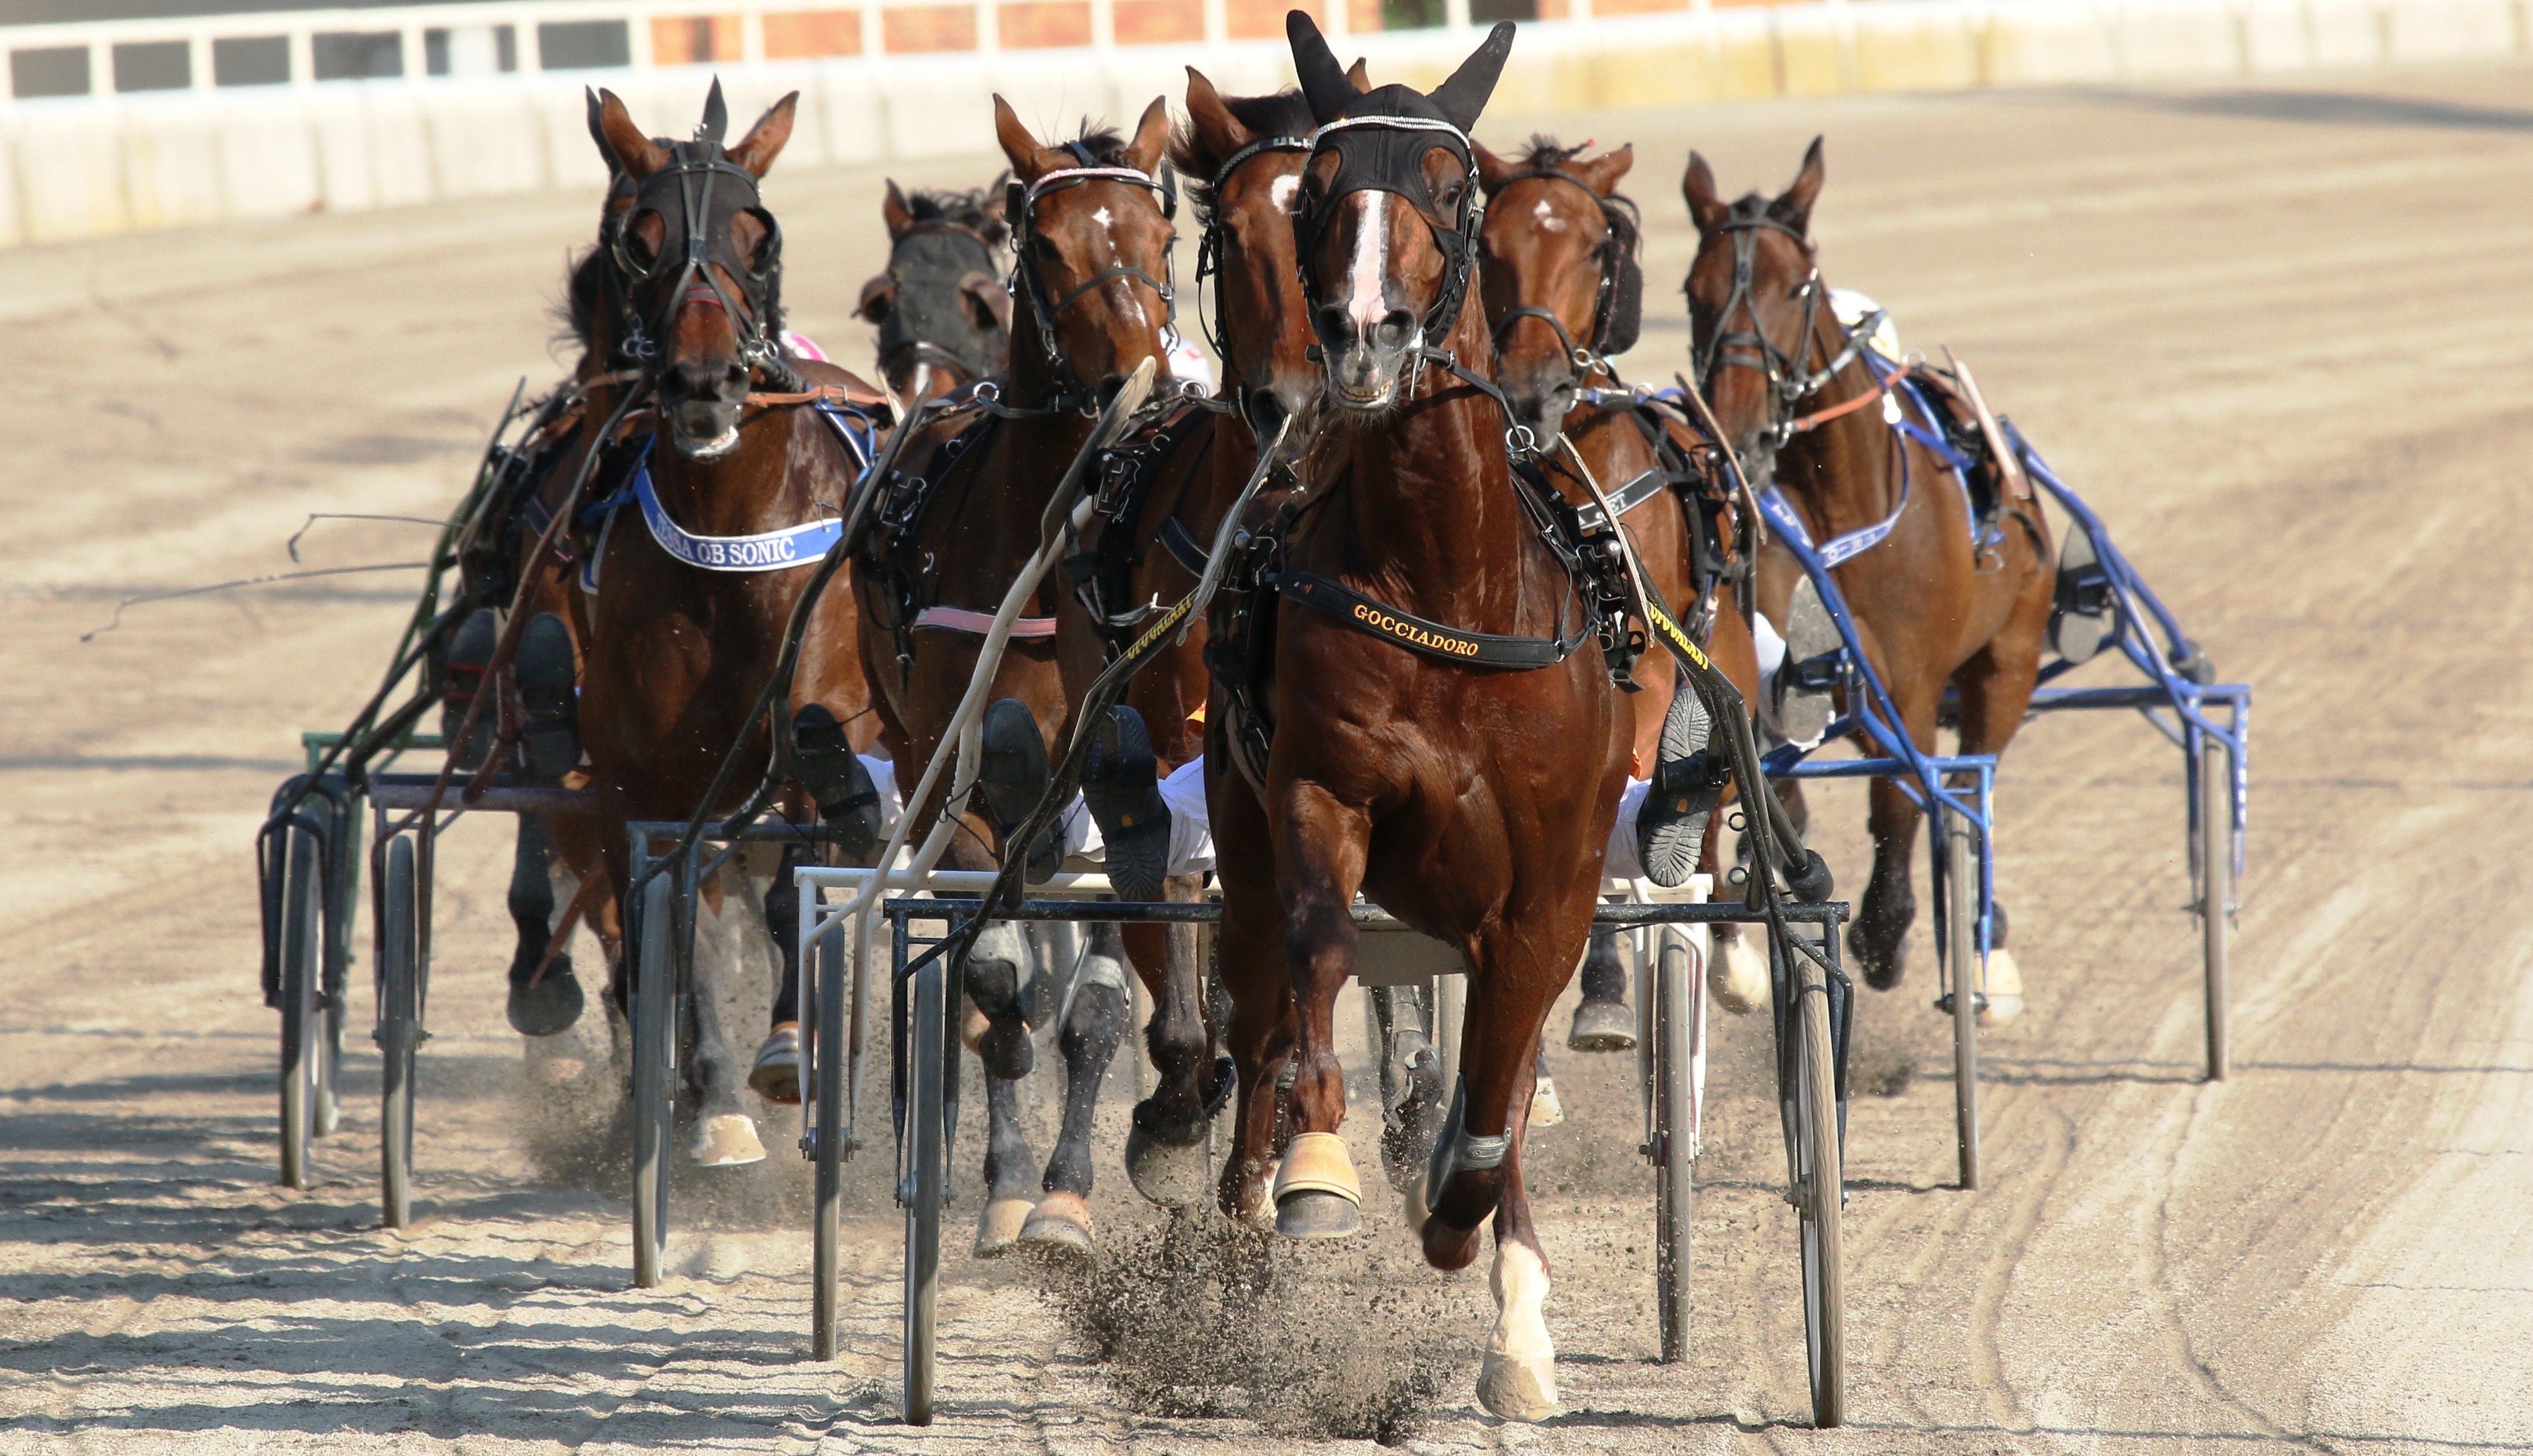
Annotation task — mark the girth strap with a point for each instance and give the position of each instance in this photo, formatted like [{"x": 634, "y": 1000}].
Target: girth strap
[{"x": 1424, "y": 636}]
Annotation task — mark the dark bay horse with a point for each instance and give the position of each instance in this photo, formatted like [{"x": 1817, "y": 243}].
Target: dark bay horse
[
  {"x": 740, "y": 456},
  {"x": 1471, "y": 798},
  {"x": 1092, "y": 257},
  {"x": 1934, "y": 604},
  {"x": 940, "y": 301},
  {"x": 1565, "y": 295}
]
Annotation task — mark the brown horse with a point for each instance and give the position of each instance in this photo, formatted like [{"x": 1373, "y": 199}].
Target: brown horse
[
  {"x": 1933, "y": 603},
  {"x": 940, "y": 301},
  {"x": 1565, "y": 295},
  {"x": 1472, "y": 799},
  {"x": 685, "y": 628},
  {"x": 1092, "y": 257}
]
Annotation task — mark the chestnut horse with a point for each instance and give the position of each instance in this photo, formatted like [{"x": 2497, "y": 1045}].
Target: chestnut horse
[
  {"x": 1565, "y": 295},
  {"x": 694, "y": 580},
  {"x": 1092, "y": 257},
  {"x": 940, "y": 301},
  {"x": 1932, "y": 603},
  {"x": 1471, "y": 798}
]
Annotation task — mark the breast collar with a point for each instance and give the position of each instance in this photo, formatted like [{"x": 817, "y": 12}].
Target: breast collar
[{"x": 1386, "y": 153}]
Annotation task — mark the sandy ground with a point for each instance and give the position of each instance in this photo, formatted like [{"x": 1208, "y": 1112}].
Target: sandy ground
[{"x": 2276, "y": 335}]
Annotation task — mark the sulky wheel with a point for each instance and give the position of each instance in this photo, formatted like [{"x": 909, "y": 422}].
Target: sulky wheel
[
  {"x": 304, "y": 1028},
  {"x": 927, "y": 1132},
  {"x": 1676, "y": 985},
  {"x": 654, "y": 1075},
  {"x": 827, "y": 1052},
  {"x": 1821, "y": 1194},
  {"x": 2214, "y": 833},
  {"x": 399, "y": 1031},
  {"x": 1963, "y": 968}
]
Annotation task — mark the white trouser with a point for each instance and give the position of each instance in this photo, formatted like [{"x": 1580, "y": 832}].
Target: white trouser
[{"x": 1192, "y": 829}]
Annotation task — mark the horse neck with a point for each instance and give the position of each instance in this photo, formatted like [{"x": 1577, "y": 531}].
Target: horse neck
[
  {"x": 1431, "y": 505},
  {"x": 1030, "y": 379}
]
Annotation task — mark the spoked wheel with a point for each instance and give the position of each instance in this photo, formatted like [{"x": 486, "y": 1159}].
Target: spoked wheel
[
  {"x": 304, "y": 1038},
  {"x": 921, "y": 1190},
  {"x": 1962, "y": 962},
  {"x": 1674, "y": 1136},
  {"x": 2214, "y": 832},
  {"x": 1820, "y": 1194},
  {"x": 827, "y": 1052},
  {"x": 655, "y": 1050},
  {"x": 399, "y": 1032}
]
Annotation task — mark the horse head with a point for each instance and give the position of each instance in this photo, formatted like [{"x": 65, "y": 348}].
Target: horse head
[
  {"x": 1562, "y": 288},
  {"x": 698, "y": 263},
  {"x": 941, "y": 300},
  {"x": 1757, "y": 307},
  {"x": 1249, "y": 152},
  {"x": 1090, "y": 245},
  {"x": 1388, "y": 215}
]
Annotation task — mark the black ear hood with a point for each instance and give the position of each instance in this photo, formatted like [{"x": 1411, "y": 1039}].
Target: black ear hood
[
  {"x": 1333, "y": 97},
  {"x": 716, "y": 123}
]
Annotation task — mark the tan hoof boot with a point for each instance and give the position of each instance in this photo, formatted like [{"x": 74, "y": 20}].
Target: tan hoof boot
[
  {"x": 1060, "y": 1224},
  {"x": 726, "y": 1141},
  {"x": 1545, "y": 1110},
  {"x": 1737, "y": 974},
  {"x": 1316, "y": 1195},
  {"x": 2004, "y": 989},
  {"x": 999, "y": 1226}
]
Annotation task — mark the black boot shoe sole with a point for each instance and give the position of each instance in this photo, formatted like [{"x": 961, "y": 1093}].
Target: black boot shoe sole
[{"x": 1121, "y": 786}]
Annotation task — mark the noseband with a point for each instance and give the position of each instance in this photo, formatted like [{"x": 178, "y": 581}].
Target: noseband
[
  {"x": 1612, "y": 330},
  {"x": 711, "y": 191},
  {"x": 1790, "y": 378},
  {"x": 1022, "y": 212},
  {"x": 1386, "y": 153}
]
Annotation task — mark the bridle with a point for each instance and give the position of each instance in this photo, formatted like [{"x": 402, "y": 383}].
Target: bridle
[
  {"x": 1619, "y": 272},
  {"x": 1386, "y": 153},
  {"x": 1021, "y": 210},
  {"x": 1791, "y": 379},
  {"x": 1210, "y": 242},
  {"x": 710, "y": 191},
  {"x": 905, "y": 351}
]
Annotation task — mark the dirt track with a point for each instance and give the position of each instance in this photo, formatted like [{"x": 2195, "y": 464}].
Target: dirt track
[{"x": 2276, "y": 336}]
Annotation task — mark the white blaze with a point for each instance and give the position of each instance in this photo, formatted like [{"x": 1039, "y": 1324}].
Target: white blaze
[{"x": 1364, "y": 301}]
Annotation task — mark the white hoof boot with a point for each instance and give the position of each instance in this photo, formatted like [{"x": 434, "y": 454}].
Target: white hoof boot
[
  {"x": 726, "y": 1141},
  {"x": 1545, "y": 1110},
  {"x": 1518, "y": 1381},
  {"x": 1737, "y": 975},
  {"x": 999, "y": 1226},
  {"x": 2004, "y": 989}
]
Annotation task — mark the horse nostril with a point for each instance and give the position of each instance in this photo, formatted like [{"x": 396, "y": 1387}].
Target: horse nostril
[{"x": 1398, "y": 326}]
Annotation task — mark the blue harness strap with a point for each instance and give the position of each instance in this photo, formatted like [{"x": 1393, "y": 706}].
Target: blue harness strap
[{"x": 765, "y": 551}]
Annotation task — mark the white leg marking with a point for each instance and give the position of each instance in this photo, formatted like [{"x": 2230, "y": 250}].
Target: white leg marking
[{"x": 1518, "y": 1381}]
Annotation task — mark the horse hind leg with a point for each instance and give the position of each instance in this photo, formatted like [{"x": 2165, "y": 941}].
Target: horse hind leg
[
  {"x": 1996, "y": 686},
  {"x": 993, "y": 973},
  {"x": 1166, "y": 1148},
  {"x": 1094, "y": 1022},
  {"x": 724, "y": 1135}
]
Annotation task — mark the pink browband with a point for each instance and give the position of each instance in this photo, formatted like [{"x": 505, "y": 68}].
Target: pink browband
[{"x": 979, "y": 624}]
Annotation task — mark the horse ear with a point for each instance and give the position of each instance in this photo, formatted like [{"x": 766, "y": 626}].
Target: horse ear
[
  {"x": 756, "y": 151},
  {"x": 623, "y": 144},
  {"x": 1359, "y": 76},
  {"x": 1217, "y": 133},
  {"x": 598, "y": 128},
  {"x": 1698, "y": 185},
  {"x": 1152, "y": 138},
  {"x": 894, "y": 211},
  {"x": 989, "y": 304},
  {"x": 1324, "y": 83},
  {"x": 1601, "y": 173},
  {"x": 1027, "y": 158},
  {"x": 1794, "y": 206},
  {"x": 716, "y": 122},
  {"x": 1465, "y": 94},
  {"x": 1492, "y": 171}
]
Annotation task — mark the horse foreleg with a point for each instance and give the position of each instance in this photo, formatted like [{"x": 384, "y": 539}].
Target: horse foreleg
[
  {"x": 725, "y": 1136},
  {"x": 1996, "y": 686},
  {"x": 1165, "y": 1147},
  {"x": 1880, "y": 935},
  {"x": 1517, "y": 1379},
  {"x": 1320, "y": 846},
  {"x": 1093, "y": 1023},
  {"x": 994, "y": 986}
]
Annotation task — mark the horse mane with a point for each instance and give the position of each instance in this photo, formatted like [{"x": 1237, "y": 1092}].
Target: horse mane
[
  {"x": 966, "y": 210},
  {"x": 1285, "y": 113},
  {"x": 1543, "y": 153},
  {"x": 584, "y": 292}
]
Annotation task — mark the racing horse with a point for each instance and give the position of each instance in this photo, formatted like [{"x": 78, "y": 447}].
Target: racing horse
[
  {"x": 1091, "y": 231},
  {"x": 940, "y": 301},
  {"x": 1413, "y": 703},
  {"x": 733, "y": 469},
  {"x": 1944, "y": 587},
  {"x": 1565, "y": 295}
]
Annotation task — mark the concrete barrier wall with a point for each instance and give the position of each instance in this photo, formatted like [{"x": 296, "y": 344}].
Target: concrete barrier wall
[{"x": 82, "y": 167}]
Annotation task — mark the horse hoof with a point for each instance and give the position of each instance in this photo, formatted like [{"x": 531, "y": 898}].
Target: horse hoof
[
  {"x": 2004, "y": 988},
  {"x": 776, "y": 1077},
  {"x": 549, "y": 1006},
  {"x": 1059, "y": 1225},
  {"x": 999, "y": 1226},
  {"x": 1602, "y": 1026},
  {"x": 1545, "y": 1110},
  {"x": 1318, "y": 1215},
  {"x": 1513, "y": 1389},
  {"x": 728, "y": 1141},
  {"x": 1737, "y": 977},
  {"x": 1168, "y": 1174}
]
